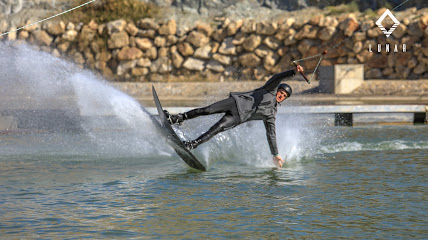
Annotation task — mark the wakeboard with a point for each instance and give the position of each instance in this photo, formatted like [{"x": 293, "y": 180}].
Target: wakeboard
[{"x": 172, "y": 139}]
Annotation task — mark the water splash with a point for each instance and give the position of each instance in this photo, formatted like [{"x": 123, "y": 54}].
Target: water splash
[
  {"x": 297, "y": 139},
  {"x": 113, "y": 124},
  {"x": 109, "y": 121},
  {"x": 379, "y": 146}
]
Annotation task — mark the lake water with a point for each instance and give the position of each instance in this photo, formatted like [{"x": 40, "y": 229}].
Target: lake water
[{"x": 338, "y": 182}]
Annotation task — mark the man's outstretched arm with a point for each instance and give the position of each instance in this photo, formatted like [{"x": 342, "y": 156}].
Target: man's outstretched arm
[
  {"x": 271, "y": 137},
  {"x": 276, "y": 79}
]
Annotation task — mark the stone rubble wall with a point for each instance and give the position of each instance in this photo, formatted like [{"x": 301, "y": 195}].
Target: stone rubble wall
[
  {"x": 231, "y": 50},
  {"x": 8, "y": 7}
]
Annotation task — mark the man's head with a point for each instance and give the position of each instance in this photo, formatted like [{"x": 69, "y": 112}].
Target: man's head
[{"x": 284, "y": 91}]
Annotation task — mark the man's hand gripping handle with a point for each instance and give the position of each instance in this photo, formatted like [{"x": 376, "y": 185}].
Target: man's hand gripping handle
[{"x": 300, "y": 70}]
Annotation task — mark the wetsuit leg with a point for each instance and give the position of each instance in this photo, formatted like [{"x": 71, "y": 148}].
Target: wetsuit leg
[
  {"x": 223, "y": 106},
  {"x": 227, "y": 122}
]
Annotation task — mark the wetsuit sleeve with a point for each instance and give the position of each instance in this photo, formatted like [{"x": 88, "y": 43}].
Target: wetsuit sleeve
[
  {"x": 276, "y": 79},
  {"x": 271, "y": 135}
]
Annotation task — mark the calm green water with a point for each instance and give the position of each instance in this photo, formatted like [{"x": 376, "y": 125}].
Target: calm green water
[{"x": 361, "y": 183}]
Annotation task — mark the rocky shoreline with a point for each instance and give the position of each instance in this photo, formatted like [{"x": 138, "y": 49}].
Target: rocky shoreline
[{"x": 228, "y": 50}]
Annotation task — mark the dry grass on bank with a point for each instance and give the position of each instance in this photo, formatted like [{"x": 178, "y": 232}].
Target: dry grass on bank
[{"x": 103, "y": 11}]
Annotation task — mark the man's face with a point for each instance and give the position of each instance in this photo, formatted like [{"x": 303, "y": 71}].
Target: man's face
[{"x": 281, "y": 95}]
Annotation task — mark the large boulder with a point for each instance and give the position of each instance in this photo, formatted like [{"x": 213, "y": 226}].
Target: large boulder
[
  {"x": 147, "y": 33},
  {"x": 366, "y": 25},
  {"x": 197, "y": 39},
  {"x": 358, "y": 46},
  {"x": 227, "y": 47},
  {"x": 148, "y": 23},
  {"x": 252, "y": 42},
  {"x": 204, "y": 28},
  {"x": 63, "y": 46},
  {"x": 131, "y": 29},
  {"x": 269, "y": 61},
  {"x": 272, "y": 42},
  {"x": 163, "y": 52},
  {"x": 194, "y": 64},
  {"x": 185, "y": 49},
  {"x": 56, "y": 28},
  {"x": 215, "y": 66},
  {"x": 170, "y": 28},
  {"x": 249, "y": 60},
  {"x": 69, "y": 35},
  {"x": 93, "y": 25},
  {"x": 219, "y": 35},
  {"x": 360, "y": 36},
  {"x": 42, "y": 37},
  {"x": 308, "y": 31},
  {"x": 249, "y": 26},
  {"x": 78, "y": 58},
  {"x": 262, "y": 51},
  {"x": 239, "y": 39},
  {"x": 284, "y": 28},
  {"x": 289, "y": 37},
  {"x": 144, "y": 62},
  {"x": 233, "y": 27},
  {"x": 118, "y": 40},
  {"x": 378, "y": 61},
  {"x": 137, "y": 71},
  {"x": 171, "y": 40},
  {"x": 151, "y": 53},
  {"x": 161, "y": 65},
  {"x": 160, "y": 41},
  {"x": 203, "y": 52},
  {"x": 177, "y": 59},
  {"x": 266, "y": 28},
  {"x": 22, "y": 35},
  {"x": 143, "y": 43},
  {"x": 328, "y": 22},
  {"x": 327, "y": 33},
  {"x": 364, "y": 56},
  {"x": 226, "y": 60},
  {"x": 129, "y": 53},
  {"x": 125, "y": 66},
  {"x": 400, "y": 31},
  {"x": 116, "y": 26},
  {"x": 103, "y": 56},
  {"x": 349, "y": 26},
  {"x": 374, "y": 32},
  {"x": 86, "y": 37}
]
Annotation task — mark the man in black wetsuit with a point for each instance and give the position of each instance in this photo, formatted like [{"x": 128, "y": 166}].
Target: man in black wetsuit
[{"x": 240, "y": 107}]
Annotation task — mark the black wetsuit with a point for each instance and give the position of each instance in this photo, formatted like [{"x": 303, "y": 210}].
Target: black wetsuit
[{"x": 240, "y": 107}]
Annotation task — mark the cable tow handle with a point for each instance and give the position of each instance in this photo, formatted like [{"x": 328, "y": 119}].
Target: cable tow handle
[{"x": 304, "y": 76}]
